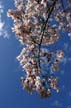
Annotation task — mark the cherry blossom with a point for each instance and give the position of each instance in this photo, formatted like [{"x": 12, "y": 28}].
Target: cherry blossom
[{"x": 39, "y": 23}]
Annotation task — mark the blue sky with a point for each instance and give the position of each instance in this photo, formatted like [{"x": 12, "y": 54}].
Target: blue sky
[{"x": 11, "y": 92}]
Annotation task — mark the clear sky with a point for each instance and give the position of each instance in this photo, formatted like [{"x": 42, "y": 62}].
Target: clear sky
[{"x": 11, "y": 92}]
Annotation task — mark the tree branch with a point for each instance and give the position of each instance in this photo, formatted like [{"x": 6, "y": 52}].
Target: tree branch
[{"x": 44, "y": 27}]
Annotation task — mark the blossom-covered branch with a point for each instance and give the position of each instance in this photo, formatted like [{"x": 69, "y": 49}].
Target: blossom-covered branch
[{"x": 39, "y": 23}]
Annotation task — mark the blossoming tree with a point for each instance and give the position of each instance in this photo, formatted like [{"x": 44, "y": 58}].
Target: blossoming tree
[{"x": 39, "y": 23}]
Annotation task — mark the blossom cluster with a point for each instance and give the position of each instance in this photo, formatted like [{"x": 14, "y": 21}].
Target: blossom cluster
[
  {"x": 39, "y": 78},
  {"x": 38, "y": 23}
]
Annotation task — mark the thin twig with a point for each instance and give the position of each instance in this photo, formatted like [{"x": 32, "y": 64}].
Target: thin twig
[{"x": 44, "y": 27}]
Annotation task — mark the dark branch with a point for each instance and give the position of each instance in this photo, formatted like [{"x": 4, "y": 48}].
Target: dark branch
[{"x": 44, "y": 27}]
